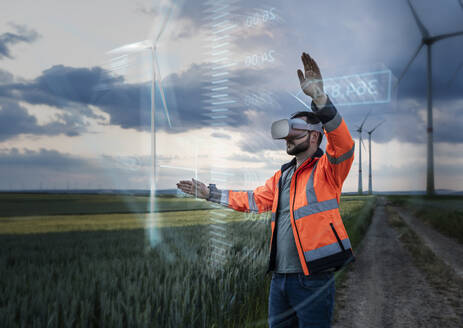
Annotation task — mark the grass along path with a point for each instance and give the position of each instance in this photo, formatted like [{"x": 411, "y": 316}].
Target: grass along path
[
  {"x": 443, "y": 213},
  {"x": 449, "y": 250}
]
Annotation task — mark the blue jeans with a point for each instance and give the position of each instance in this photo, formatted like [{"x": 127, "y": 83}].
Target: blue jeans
[{"x": 297, "y": 300}]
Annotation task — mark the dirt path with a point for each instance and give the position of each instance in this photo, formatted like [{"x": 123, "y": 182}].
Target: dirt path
[
  {"x": 385, "y": 289},
  {"x": 447, "y": 249}
]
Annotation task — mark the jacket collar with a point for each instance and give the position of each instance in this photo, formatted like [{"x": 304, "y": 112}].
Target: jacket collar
[{"x": 318, "y": 153}]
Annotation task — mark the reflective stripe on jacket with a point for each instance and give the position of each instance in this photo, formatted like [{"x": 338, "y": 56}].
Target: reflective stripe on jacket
[{"x": 319, "y": 233}]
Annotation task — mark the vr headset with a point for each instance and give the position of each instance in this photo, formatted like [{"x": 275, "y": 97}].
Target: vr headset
[{"x": 293, "y": 128}]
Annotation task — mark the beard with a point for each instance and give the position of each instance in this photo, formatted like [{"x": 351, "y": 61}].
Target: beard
[{"x": 298, "y": 148}]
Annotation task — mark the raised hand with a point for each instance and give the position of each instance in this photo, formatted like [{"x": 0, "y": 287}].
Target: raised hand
[
  {"x": 194, "y": 187},
  {"x": 311, "y": 80}
]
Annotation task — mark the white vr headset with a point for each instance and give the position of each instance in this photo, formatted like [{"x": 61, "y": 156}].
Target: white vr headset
[{"x": 293, "y": 128}]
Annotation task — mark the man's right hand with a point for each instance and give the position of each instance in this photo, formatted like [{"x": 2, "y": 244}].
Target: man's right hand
[{"x": 194, "y": 188}]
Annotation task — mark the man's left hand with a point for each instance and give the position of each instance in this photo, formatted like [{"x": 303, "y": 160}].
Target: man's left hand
[{"x": 312, "y": 82}]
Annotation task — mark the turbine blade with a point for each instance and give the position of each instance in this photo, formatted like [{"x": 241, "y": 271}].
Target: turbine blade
[
  {"x": 450, "y": 82},
  {"x": 371, "y": 131},
  {"x": 363, "y": 145},
  {"x": 132, "y": 47},
  {"x": 163, "y": 26},
  {"x": 161, "y": 89},
  {"x": 408, "y": 65},
  {"x": 423, "y": 30},
  {"x": 445, "y": 36},
  {"x": 366, "y": 116}
]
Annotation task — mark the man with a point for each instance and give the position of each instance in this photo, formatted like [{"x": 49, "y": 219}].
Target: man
[{"x": 309, "y": 241}]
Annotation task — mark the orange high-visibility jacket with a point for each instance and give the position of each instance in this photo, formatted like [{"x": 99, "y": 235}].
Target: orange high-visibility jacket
[{"x": 319, "y": 233}]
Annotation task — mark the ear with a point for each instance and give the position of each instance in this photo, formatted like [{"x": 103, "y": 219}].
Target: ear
[{"x": 314, "y": 136}]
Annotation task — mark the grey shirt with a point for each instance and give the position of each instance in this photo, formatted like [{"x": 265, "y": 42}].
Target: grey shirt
[{"x": 287, "y": 259}]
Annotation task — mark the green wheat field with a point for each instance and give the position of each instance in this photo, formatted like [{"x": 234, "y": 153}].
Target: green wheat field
[{"x": 102, "y": 261}]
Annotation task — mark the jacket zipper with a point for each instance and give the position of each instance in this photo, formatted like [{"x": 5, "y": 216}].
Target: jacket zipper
[
  {"x": 294, "y": 198},
  {"x": 276, "y": 216},
  {"x": 275, "y": 228}
]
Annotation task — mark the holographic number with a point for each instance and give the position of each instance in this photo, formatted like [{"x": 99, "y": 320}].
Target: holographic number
[
  {"x": 260, "y": 59},
  {"x": 258, "y": 99},
  {"x": 347, "y": 90},
  {"x": 261, "y": 17},
  {"x": 374, "y": 87}
]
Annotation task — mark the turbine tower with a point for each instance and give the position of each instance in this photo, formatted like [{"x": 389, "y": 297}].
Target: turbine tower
[
  {"x": 370, "y": 184},
  {"x": 359, "y": 130},
  {"x": 156, "y": 81},
  {"x": 428, "y": 40}
]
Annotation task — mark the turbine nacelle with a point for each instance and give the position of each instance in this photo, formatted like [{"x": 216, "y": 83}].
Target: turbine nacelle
[{"x": 426, "y": 39}]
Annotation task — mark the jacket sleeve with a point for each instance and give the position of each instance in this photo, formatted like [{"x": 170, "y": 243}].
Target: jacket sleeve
[
  {"x": 339, "y": 154},
  {"x": 258, "y": 200}
]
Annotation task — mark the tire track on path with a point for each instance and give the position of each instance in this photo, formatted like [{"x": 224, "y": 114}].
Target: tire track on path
[
  {"x": 384, "y": 289},
  {"x": 450, "y": 251}
]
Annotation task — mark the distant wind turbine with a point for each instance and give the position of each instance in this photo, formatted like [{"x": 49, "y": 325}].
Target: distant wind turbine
[
  {"x": 370, "y": 184},
  {"x": 157, "y": 80},
  {"x": 427, "y": 40},
  {"x": 359, "y": 130}
]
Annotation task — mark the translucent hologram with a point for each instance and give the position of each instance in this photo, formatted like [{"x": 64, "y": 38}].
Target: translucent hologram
[
  {"x": 363, "y": 88},
  {"x": 152, "y": 234}
]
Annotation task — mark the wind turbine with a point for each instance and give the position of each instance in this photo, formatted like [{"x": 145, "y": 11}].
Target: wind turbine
[
  {"x": 370, "y": 187},
  {"x": 156, "y": 80},
  {"x": 359, "y": 130},
  {"x": 427, "y": 40}
]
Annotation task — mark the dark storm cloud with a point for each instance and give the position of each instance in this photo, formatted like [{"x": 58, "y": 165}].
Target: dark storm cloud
[
  {"x": 363, "y": 33},
  {"x": 21, "y": 34},
  {"x": 15, "y": 120},
  {"x": 60, "y": 87},
  {"x": 73, "y": 90},
  {"x": 351, "y": 35},
  {"x": 188, "y": 97},
  {"x": 5, "y": 77}
]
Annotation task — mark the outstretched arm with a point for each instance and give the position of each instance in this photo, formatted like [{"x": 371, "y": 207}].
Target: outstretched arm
[{"x": 258, "y": 200}]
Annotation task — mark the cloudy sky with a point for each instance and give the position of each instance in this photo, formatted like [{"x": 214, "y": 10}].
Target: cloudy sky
[{"x": 75, "y": 106}]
